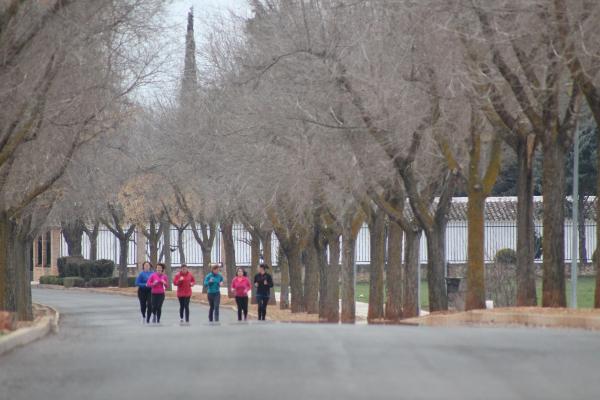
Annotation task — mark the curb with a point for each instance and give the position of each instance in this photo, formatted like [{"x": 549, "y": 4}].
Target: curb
[{"x": 24, "y": 336}]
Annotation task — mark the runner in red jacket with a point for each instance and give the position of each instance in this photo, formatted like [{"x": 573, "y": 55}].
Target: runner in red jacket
[{"x": 184, "y": 280}]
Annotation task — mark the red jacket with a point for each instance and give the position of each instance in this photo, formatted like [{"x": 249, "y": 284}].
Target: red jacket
[
  {"x": 184, "y": 287},
  {"x": 241, "y": 286}
]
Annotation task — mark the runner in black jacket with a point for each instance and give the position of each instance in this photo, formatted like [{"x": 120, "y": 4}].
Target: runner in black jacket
[{"x": 263, "y": 283}]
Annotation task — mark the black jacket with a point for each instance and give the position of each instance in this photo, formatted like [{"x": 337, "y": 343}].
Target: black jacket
[{"x": 262, "y": 289}]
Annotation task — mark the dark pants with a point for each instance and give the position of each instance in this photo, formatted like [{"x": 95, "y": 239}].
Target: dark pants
[
  {"x": 157, "y": 302},
  {"x": 262, "y": 301},
  {"x": 242, "y": 305},
  {"x": 184, "y": 307},
  {"x": 144, "y": 295},
  {"x": 214, "y": 299}
]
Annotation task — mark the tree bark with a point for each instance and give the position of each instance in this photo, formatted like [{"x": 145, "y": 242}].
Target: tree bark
[
  {"x": 393, "y": 278},
  {"x": 311, "y": 279},
  {"x": 180, "y": 232},
  {"x": 597, "y": 262},
  {"x": 229, "y": 245},
  {"x": 553, "y": 285},
  {"x": 475, "y": 298},
  {"x": 206, "y": 261},
  {"x": 331, "y": 310},
  {"x": 284, "y": 302},
  {"x": 73, "y": 233},
  {"x": 410, "y": 294},
  {"x": 93, "y": 237},
  {"x": 348, "y": 277},
  {"x": 123, "y": 256},
  {"x": 268, "y": 259},
  {"x": 377, "y": 237},
  {"x": 526, "y": 292},
  {"x": 166, "y": 231},
  {"x": 295, "y": 273},
  {"x": 436, "y": 267}
]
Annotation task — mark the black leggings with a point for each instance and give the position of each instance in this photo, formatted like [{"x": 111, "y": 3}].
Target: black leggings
[
  {"x": 184, "y": 306},
  {"x": 214, "y": 299},
  {"x": 157, "y": 302},
  {"x": 144, "y": 294},
  {"x": 262, "y": 301},
  {"x": 242, "y": 306}
]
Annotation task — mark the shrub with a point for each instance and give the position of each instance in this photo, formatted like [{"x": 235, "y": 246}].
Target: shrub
[
  {"x": 73, "y": 281},
  {"x": 86, "y": 269},
  {"x": 51, "y": 280},
  {"x": 506, "y": 256}
]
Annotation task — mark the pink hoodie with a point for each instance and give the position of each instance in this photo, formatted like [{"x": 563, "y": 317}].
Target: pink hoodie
[
  {"x": 241, "y": 286},
  {"x": 158, "y": 283}
]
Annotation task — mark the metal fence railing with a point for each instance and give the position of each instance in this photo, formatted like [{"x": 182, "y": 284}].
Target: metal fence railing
[{"x": 497, "y": 235}]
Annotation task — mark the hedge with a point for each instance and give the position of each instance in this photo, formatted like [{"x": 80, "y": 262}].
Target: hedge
[
  {"x": 506, "y": 256},
  {"x": 51, "y": 280},
  {"x": 73, "y": 281},
  {"x": 86, "y": 269},
  {"x": 99, "y": 282},
  {"x": 115, "y": 281}
]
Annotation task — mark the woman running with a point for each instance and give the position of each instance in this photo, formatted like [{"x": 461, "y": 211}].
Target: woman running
[
  {"x": 144, "y": 292},
  {"x": 157, "y": 282},
  {"x": 184, "y": 280},
  {"x": 263, "y": 283},
  {"x": 213, "y": 282},
  {"x": 241, "y": 286}
]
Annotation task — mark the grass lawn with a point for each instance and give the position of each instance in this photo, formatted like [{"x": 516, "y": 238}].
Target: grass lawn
[{"x": 585, "y": 292}]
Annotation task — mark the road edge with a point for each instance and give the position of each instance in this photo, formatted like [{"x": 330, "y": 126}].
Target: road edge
[{"x": 41, "y": 327}]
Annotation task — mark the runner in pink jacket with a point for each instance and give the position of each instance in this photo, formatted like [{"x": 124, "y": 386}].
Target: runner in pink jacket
[
  {"x": 241, "y": 286},
  {"x": 157, "y": 282}
]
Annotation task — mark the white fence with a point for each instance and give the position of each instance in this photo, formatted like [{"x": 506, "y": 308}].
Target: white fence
[{"x": 498, "y": 235}]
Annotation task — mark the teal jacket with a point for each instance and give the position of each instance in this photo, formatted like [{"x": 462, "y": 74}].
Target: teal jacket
[{"x": 213, "y": 287}]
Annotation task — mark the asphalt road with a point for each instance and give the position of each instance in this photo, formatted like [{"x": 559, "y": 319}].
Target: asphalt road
[{"x": 103, "y": 352}]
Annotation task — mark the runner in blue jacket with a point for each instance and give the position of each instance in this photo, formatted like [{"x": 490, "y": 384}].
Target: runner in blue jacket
[
  {"x": 213, "y": 282},
  {"x": 144, "y": 291}
]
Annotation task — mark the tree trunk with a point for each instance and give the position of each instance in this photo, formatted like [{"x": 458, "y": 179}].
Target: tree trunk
[
  {"x": 436, "y": 267},
  {"x": 295, "y": 272},
  {"x": 73, "y": 234},
  {"x": 180, "y": 233},
  {"x": 410, "y": 294},
  {"x": 167, "y": 251},
  {"x": 311, "y": 279},
  {"x": 268, "y": 259},
  {"x": 553, "y": 285},
  {"x": 23, "y": 279},
  {"x": 153, "y": 240},
  {"x": 332, "y": 294},
  {"x": 393, "y": 304},
  {"x": 229, "y": 245},
  {"x": 93, "y": 236},
  {"x": 526, "y": 292},
  {"x": 475, "y": 298},
  {"x": 597, "y": 262},
  {"x": 284, "y": 302},
  {"x": 348, "y": 277},
  {"x": 206, "y": 261},
  {"x": 123, "y": 256},
  {"x": 377, "y": 237}
]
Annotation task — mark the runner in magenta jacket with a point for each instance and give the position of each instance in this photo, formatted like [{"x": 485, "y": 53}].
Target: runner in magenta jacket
[
  {"x": 157, "y": 282},
  {"x": 241, "y": 286},
  {"x": 184, "y": 280}
]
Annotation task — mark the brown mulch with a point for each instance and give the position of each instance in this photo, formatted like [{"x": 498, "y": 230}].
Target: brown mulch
[{"x": 9, "y": 323}]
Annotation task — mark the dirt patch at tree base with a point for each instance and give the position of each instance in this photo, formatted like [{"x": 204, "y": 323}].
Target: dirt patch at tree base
[{"x": 515, "y": 316}]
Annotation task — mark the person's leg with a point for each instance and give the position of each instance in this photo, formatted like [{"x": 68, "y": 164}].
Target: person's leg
[
  {"x": 245, "y": 307},
  {"x": 154, "y": 300},
  {"x": 148, "y": 299},
  {"x": 186, "y": 307},
  {"x": 211, "y": 306},
  {"x": 238, "y": 301},
  {"x": 142, "y": 302},
  {"x": 217, "y": 303},
  {"x": 259, "y": 307},
  {"x": 181, "y": 307},
  {"x": 266, "y": 303},
  {"x": 161, "y": 299}
]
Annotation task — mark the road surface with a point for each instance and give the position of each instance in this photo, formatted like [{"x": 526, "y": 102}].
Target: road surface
[{"x": 103, "y": 352}]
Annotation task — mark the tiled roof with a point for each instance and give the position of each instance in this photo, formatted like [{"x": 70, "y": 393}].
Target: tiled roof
[{"x": 505, "y": 208}]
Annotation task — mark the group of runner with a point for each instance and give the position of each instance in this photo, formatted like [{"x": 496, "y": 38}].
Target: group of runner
[{"x": 152, "y": 284}]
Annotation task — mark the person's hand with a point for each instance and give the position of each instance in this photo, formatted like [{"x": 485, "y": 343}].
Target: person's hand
[
  {"x": 256, "y": 284},
  {"x": 180, "y": 278},
  {"x": 265, "y": 282},
  {"x": 211, "y": 280}
]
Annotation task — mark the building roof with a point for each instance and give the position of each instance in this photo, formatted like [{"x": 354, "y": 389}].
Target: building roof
[{"x": 505, "y": 208}]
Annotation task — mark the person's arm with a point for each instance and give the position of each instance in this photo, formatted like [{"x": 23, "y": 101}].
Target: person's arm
[
  {"x": 138, "y": 281},
  {"x": 176, "y": 280},
  {"x": 206, "y": 278},
  {"x": 256, "y": 280},
  {"x": 270, "y": 281},
  {"x": 221, "y": 280},
  {"x": 150, "y": 281},
  {"x": 248, "y": 284}
]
